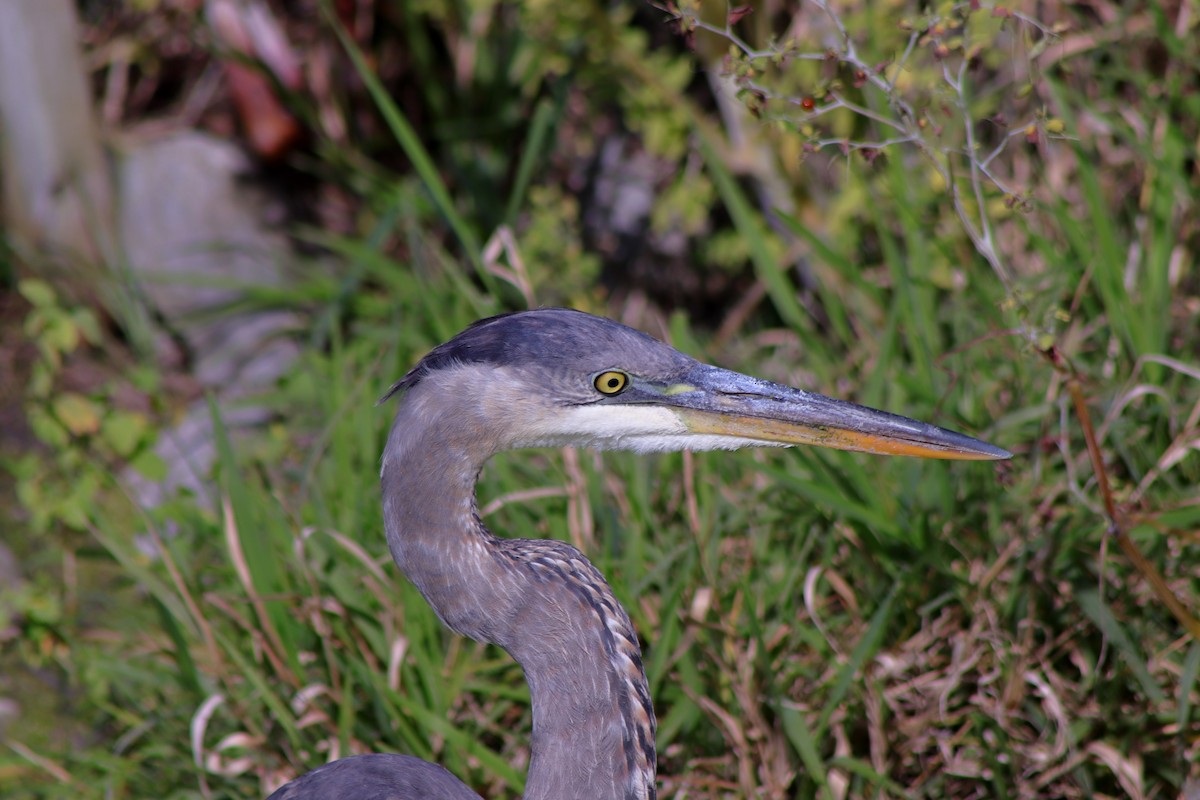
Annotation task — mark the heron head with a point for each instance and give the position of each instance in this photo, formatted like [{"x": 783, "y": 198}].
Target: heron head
[{"x": 555, "y": 376}]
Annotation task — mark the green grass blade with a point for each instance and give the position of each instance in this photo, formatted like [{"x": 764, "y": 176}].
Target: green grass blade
[
  {"x": 410, "y": 141},
  {"x": 264, "y": 689},
  {"x": 750, "y": 225},
  {"x": 834, "y": 499},
  {"x": 1187, "y": 682},
  {"x": 254, "y": 539},
  {"x": 188, "y": 674},
  {"x": 834, "y": 261},
  {"x": 802, "y": 738},
  {"x": 1094, "y": 606},
  {"x": 867, "y": 646},
  {"x": 545, "y": 117}
]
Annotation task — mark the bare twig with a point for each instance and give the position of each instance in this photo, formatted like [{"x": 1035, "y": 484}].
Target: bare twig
[{"x": 1117, "y": 521}]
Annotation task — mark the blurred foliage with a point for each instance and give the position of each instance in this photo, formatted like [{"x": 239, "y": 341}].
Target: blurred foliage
[
  {"x": 957, "y": 212},
  {"x": 81, "y": 431}
]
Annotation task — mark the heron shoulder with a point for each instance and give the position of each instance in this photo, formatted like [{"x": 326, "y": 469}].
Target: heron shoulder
[{"x": 376, "y": 776}]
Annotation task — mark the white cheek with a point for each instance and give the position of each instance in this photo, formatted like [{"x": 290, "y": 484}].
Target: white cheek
[
  {"x": 645, "y": 429},
  {"x": 602, "y": 426},
  {"x": 695, "y": 442}
]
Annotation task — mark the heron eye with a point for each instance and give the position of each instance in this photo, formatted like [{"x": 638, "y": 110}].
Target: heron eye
[{"x": 611, "y": 382}]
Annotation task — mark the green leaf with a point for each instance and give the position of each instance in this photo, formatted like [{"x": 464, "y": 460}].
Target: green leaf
[
  {"x": 149, "y": 465},
  {"x": 86, "y": 324},
  {"x": 46, "y": 428},
  {"x": 60, "y": 332},
  {"x": 39, "y": 293},
  {"x": 124, "y": 431},
  {"x": 77, "y": 413}
]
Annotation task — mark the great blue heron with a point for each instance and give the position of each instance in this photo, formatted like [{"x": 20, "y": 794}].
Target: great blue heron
[{"x": 555, "y": 377}]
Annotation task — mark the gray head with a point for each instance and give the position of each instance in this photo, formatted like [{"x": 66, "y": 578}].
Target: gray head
[
  {"x": 556, "y": 376},
  {"x": 554, "y": 342}
]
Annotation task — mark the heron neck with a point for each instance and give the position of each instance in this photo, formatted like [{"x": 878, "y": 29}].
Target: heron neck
[{"x": 540, "y": 600}]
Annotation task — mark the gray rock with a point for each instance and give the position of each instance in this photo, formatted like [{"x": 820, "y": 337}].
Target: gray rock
[{"x": 195, "y": 239}]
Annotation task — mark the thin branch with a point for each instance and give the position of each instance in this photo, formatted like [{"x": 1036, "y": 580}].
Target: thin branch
[{"x": 857, "y": 145}]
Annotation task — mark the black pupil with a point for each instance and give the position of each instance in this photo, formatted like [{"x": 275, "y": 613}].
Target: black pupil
[{"x": 614, "y": 382}]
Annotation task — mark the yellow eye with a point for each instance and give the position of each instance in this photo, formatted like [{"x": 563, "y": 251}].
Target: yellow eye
[{"x": 611, "y": 382}]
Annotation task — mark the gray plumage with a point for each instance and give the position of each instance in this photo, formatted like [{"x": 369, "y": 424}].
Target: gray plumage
[
  {"x": 377, "y": 776},
  {"x": 555, "y": 377}
]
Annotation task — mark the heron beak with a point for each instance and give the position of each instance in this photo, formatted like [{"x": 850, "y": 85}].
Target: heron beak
[{"x": 719, "y": 402}]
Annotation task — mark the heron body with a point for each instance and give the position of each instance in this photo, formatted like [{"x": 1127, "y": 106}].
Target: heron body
[{"x": 554, "y": 377}]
